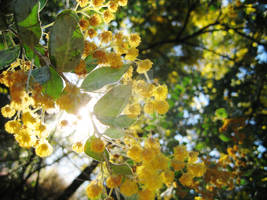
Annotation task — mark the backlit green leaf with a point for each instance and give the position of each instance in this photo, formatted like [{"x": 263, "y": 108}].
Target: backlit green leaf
[
  {"x": 91, "y": 63},
  {"x": 221, "y": 113},
  {"x": 66, "y": 42},
  {"x": 114, "y": 133},
  {"x": 224, "y": 138},
  {"x": 94, "y": 155},
  {"x": 112, "y": 103},
  {"x": 54, "y": 86},
  {"x": 122, "y": 169},
  {"x": 102, "y": 76},
  {"x": 122, "y": 121}
]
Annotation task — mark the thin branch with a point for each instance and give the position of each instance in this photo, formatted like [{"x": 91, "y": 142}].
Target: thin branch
[
  {"x": 210, "y": 50},
  {"x": 78, "y": 181},
  {"x": 244, "y": 35},
  {"x": 177, "y": 40},
  {"x": 190, "y": 9}
]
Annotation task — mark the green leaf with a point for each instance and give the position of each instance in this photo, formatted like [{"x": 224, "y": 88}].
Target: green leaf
[
  {"x": 27, "y": 20},
  {"x": 133, "y": 197},
  {"x": 224, "y": 138},
  {"x": 221, "y": 113},
  {"x": 243, "y": 181},
  {"x": 31, "y": 55},
  {"x": 114, "y": 133},
  {"x": 122, "y": 121},
  {"x": 200, "y": 146},
  {"x": 66, "y": 42},
  {"x": 8, "y": 56},
  {"x": 97, "y": 156},
  {"x": 54, "y": 86},
  {"x": 91, "y": 63},
  {"x": 122, "y": 169},
  {"x": 113, "y": 102},
  {"x": 41, "y": 75},
  {"x": 42, "y": 4},
  {"x": 102, "y": 76}
]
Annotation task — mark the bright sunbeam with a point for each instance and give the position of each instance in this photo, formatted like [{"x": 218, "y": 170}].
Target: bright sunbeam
[{"x": 81, "y": 127}]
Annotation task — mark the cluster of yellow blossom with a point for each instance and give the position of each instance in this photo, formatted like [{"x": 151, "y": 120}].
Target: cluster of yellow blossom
[
  {"x": 97, "y": 145},
  {"x": 94, "y": 189},
  {"x": 120, "y": 44},
  {"x": 151, "y": 170},
  {"x": 26, "y": 110},
  {"x": 218, "y": 174},
  {"x": 152, "y": 97},
  {"x": 116, "y": 49},
  {"x": 71, "y": 99},
  {"x": 150, "y": 163}
]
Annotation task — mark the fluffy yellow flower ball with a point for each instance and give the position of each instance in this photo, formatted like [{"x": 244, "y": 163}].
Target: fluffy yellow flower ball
[
  {"x": 146, "y": 195},
  {"x": 160, "y": 92},
  {"x": 133, "y": 110},
  {"x": 168, "y": 177},
  {"x": 122, "y": 2},
  {"x": 134, "y": 40},
  {"x": 180, "y": 153},
  {"x": 108, "y": 16},
  {"x": 94, "y": 189},
  {"x": 161, "y": 107},
  {"x": 197, "y": 169},
  {"x": 149, "y": 107},
  {"x": 25, "y": 139},
  {"x": 8, "y": 111},
  {"x": 97, "y": 3},
  {"x": 77, "y": 147},
  {"x": 43, "y": 149},
  {"x": 186, "y": 179},
  {"x": 105, "y": 37},
  {"x": 135, "y": 153},
  {"x": 12, "y": 126},
  {"x": 132, "y": 54},
  {"x": 95, "y": 20},
  {"x": 128, "y": 187},
  {"x": 114, "y": 181},
  {"x": 97, "y": 145},
  {"x": 143, "y": 66}
]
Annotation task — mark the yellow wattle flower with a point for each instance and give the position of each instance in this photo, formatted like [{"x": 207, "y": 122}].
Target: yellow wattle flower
[{"x": 43, "y": 149}]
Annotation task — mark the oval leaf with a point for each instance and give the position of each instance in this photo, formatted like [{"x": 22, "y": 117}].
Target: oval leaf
[
  {"x": 30, "y": 54},
  {"x": 112, "y": 103},
  {"x": 66, "y": 42},
  {"x": 54, "y": 86},
  {"x": 27, "y": 20},
  {"x": 122, "y": 169},
  {"x": 42, "y": 4},
  {"x": 224, "y": 138},
  {"x": 102, "y": 76},
  {"x": 41, "y": 75},
  {"x": 97, "y": 156},
  {"x": 122, "y": 121},
  {"x": 114, "y": 133},
  {"x": 221, "y": 113},
  {"x": 8, "y": 56},
  {"x": 91, "y": 63}
]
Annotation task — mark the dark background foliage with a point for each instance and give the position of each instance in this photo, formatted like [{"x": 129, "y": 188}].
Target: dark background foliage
[{"x": 178, "y": 47}]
